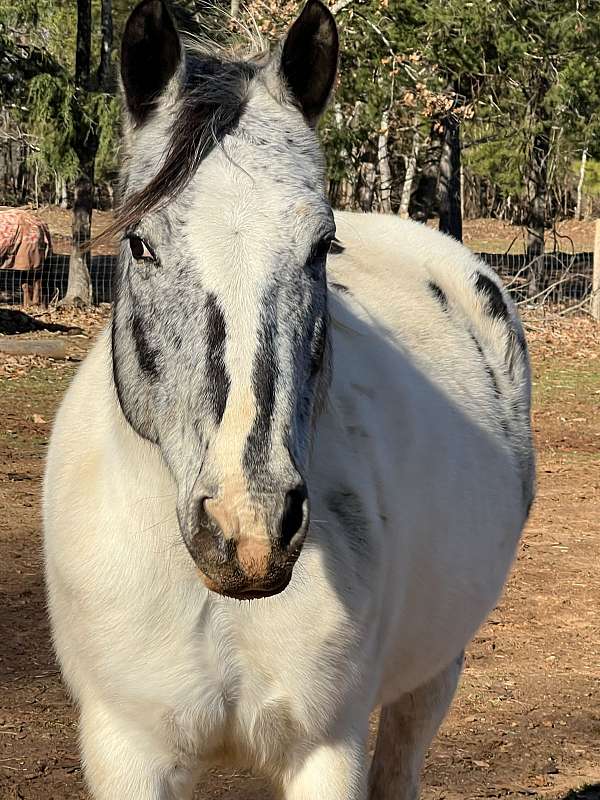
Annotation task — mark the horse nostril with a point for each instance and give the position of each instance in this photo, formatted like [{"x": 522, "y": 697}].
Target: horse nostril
[
  {"x": 205, "y": 520},
  {"x": 293, "y": 514}
]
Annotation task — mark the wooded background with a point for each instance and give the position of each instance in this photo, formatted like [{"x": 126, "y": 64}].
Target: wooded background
[{"x": 477, "y": 108}]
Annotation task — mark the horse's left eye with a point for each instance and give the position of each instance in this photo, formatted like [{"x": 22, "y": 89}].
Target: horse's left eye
[
  {"x": 140, "y": 250},
  {"x": 317, "y": 257}
]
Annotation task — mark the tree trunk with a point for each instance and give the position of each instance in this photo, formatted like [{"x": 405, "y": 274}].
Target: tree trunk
[
  {"x": 536, "y": 212},
  {"x": 36, "y": 186},
  {"x": 449, "y": 180},
  {"x": 536, "y": 195},
  {"x": 347, "y": 182},
  {"x": 79, "y": 288},
  {"x": 537, "y": 182},
  {"x": 84, "y": 43},
  {"x": 347, "y": 195},
  {"x": 366, "y": 190},
  {"x": 411, "y": 171},
  {"x": 424, "y": 201},
  {"x": 104, "y": 71},
  {"x": 578, "y": 207},
  {"x": 383, "y": 162},
  {"x": 64, "y": 200},
  {"x": 85, "y": 144}
]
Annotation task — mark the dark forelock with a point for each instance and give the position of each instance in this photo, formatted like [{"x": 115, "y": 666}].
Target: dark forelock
[{"x": 212, "y": 100}]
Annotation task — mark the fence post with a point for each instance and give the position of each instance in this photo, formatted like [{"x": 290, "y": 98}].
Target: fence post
[{"x": 596, "y": 275}]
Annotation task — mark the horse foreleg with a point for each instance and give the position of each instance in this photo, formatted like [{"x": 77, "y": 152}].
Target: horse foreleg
[
  {"x": 332, "y": 771},
  {"x": 121, "y": 761},
  {"x": 406, "y": 729}
]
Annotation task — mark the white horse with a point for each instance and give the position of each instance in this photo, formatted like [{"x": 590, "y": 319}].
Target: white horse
[{"x": 199, "y": 613}]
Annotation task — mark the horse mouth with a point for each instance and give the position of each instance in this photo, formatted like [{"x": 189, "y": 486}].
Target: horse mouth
[{"x": 247, "y": 592}]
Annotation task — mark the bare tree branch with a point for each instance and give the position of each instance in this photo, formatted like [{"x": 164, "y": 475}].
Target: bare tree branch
[{"x": 339, "y": 6}]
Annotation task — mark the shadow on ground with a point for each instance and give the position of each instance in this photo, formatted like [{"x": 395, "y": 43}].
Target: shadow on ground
[
  {"x": 13, "y": 321},
  {"x": 591, "y": 792}
]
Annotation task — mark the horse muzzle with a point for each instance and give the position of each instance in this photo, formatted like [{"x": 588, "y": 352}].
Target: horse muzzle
[{"x": 244, "y": 551}]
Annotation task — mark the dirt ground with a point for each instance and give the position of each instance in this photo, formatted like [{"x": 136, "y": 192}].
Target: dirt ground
[
  {"x": 526, "y": 720},
  {"x": 496, "y": 236}
]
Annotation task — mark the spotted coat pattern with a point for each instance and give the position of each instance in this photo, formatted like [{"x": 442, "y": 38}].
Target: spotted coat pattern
[{"x": 287, "y": 484}]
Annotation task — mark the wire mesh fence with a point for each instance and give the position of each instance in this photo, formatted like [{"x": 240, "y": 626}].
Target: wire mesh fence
[
  {"x": 560, "y": 279},
  {"x": 54, "y": 277}
]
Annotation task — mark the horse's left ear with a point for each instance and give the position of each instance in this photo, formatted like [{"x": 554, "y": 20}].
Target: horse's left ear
[{"x": 309, "y": 59}]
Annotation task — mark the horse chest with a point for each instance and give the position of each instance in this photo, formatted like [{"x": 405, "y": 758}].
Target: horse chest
[
  {"x": 239, "y": 700},
  {"x": 241, "y": 679}
]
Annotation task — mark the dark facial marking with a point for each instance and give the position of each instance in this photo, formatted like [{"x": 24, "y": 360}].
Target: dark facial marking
[
  {"x": 265, "y": 374},
  {"x": 439, "y": 294},
  {"x": 216, "y": 373},
  {"x": 147, "y": 356},
  {"x": 336, "y": 247},
  {"x": 496, "y": 305}
]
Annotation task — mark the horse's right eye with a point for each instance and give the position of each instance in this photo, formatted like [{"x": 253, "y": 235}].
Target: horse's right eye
[
  {"x": 140, "y": 250},
  {"x": 322, "y": 248}
]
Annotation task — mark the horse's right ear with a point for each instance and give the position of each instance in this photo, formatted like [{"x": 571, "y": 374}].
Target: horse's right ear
[{"x": 150, "y": 55}]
